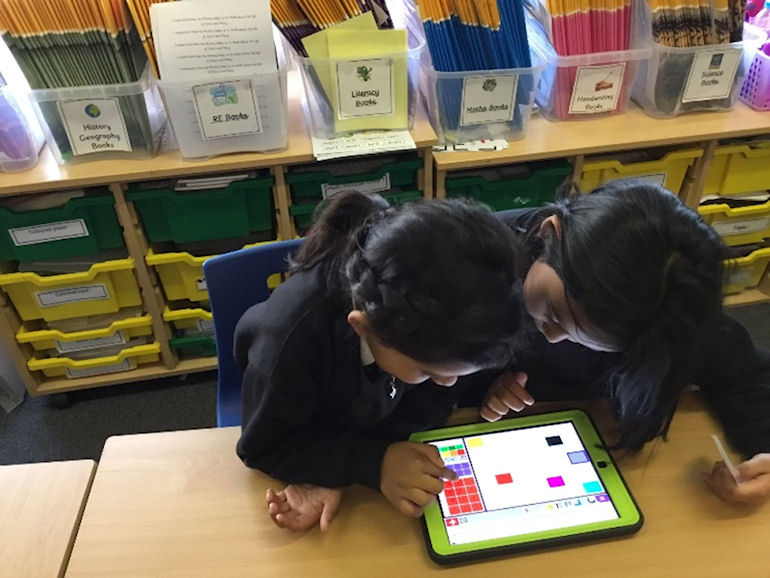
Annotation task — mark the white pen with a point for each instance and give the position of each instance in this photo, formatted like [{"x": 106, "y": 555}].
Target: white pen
[{"x": 726, "y": 458}]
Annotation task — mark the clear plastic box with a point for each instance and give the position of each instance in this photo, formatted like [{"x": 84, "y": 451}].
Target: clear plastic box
[
  {"x": 755, "y": 90},
  {"x": 101, "y": 122},
  {"x": 480, "y": 104},
  {"x": 20, "y": 140},
  {"x": 328, "y": 115}
]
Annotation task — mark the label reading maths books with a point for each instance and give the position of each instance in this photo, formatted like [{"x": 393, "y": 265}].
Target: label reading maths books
[
  {"x": 712, "y": 74},
  {"x": 56, "y": 297},
  {"x": 94, "y": 126},
  {"x": 596, "y": 89},
  {"x": 227, "y": 109},
  {"x": 365, "y": 87},
  {"x": 488, "y": 99},
  {"x": 49, "y": 232}
]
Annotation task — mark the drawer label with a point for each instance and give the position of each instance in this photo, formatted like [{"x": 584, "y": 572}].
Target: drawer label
[
  {"x": 596, "y": 89},
  {"x": 205, "y": 326},
  {"x": 488, "y": 99},
  {"x": 124, "y": 365},
  {"x": 375, "y": 186},
  {"x": 56, "y": 297},
  {"x": 364, "y": 88},
  {"x": 200, "y": 284},
  {"x": 118, "y": 338},
  {"x": 49, "y": 232},
  {"x": 729, "y": 228},
  {"x": 94, "y": 126},
  {"x": 711, "y": 74}
]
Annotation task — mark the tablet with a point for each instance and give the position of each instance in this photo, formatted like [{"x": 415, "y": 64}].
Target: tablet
[{"x": 525, "y": 483}]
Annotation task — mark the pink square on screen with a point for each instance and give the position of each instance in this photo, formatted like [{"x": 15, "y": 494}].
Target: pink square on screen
[
  {"x": 555, "y": 482},
  {"x": 504, "y": 478}
]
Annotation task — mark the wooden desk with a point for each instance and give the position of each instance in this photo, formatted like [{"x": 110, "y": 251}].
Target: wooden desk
[
  {"x": 40, "y": 508},
  {"x": 182, "y": 504}
]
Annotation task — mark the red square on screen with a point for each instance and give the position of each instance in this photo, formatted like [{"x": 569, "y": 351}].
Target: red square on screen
[{"x": 504, "y": 478}]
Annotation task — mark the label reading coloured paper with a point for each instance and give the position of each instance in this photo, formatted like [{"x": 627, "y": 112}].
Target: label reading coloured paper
[
  {"x": 227, "y": 109},
  {"x": 375, "y": 186},
  {"x": 56, "y": 297},
  {"x": 657, "y": 178},
  {"x": 729, "y": 228},
  {"x": 83, "y": 344},
  {"x": 94, "y": 126},
  {"x": 101, "y": 370},
  {"x": 712, "y": 73},
  {"x": 596, "y": 89},
  {"x": 365, "y": 87},
  {"x": 488, "y": 99},
  {"x": 49, "y": 232}
]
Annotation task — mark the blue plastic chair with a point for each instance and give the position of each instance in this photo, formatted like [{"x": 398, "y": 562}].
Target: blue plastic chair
[{"x": 235, "y": 282}]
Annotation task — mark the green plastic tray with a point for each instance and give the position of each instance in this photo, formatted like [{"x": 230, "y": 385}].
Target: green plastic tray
[
  {"x": 194, "y": 346},
  {"x": 303, "y": 214}
]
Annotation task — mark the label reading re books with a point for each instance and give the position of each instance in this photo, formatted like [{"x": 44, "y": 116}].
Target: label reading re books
[
  {"x": 94, "y": 126},
  {"x": 56, "y": 297},
  {"x": 375, "y": 186},
  {"x": 49, "y": 232},
  {"x": 365, "y": 87},
  {"x": 596, "y": 89},
  {"x": 711, "y": 74},
  {"x": 227, "y": 109},
  {"x": 488, "y": 99}
]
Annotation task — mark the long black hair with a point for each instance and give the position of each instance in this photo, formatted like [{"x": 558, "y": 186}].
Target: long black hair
[
  {"x": 647, "y": 272},
  {"x": 437, "y": 280}
]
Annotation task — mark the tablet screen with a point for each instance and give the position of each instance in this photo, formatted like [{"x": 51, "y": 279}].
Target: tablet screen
[{"x": 518, "y": 482}]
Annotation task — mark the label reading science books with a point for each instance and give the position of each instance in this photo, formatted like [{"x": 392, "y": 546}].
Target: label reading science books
[
  {"x": 72, "y": 295},
  {"x": 227, "y": 109},
  {"x": 711, "y": 74},
  {"x": 376, "y": 186},
  {"x": 488, "y": 99},
  {"x": 596, "y": 89},
  {"x": 84, "y": 344},
  {"x": 49, "y": 232},
  {"x": 94, "y": 126},
  {"x": 365, "y": 88}
]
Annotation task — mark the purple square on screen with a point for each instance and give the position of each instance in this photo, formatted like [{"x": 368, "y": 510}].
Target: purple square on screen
[
  {"x": 555, "y": 482},
  {"x": 580, "y": 457},
  {"x": 602, "y": 498}
]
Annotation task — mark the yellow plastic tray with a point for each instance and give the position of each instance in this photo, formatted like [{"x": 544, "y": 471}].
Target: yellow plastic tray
[
  {"x": 746, "y": 272},
  {"x": 104, "y": 288},
  {"x": 737, "y": 169},
  {"x": 117, "y": 333},
  {"x": 738, "y": 225},
  {"x": 668, "y": 171},
  {"x": 126, "y": 360},
  {"x": 191, "y": 318}
]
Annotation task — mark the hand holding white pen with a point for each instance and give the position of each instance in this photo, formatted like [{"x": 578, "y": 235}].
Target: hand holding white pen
[{"x": 746, "y": 483}]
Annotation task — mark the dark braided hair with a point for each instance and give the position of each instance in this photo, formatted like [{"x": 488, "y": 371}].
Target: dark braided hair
[{"x": 437, "y": 280}]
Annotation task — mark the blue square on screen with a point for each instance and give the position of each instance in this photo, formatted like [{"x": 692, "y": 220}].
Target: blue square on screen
[
  {"x": 592, "y": 487},
  {"x": 580, "y": 457}
]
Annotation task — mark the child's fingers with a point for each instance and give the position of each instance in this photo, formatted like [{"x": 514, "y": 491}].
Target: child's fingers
[
  {"x": 494, "y": 408},
  {"x": 408, "y": 508},
  {"x": 272, "y": 496},
  {"x": 756, "y": 466},
  {"x": 328, "y": 513}
]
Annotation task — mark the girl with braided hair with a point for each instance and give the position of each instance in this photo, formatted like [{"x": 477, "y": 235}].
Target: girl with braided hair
[
  {"x": 624, "y": 285},
  {"x": 385, "y": 308}
]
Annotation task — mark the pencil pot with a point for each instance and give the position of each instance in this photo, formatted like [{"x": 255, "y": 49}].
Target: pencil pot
[
  {"x": 19, "y": 139},
  {"x": 100, "y": 122},
  {"x": 375, "y": 92},
  {"x": 480, "y": 104},
  {"x": 675, "y": 80},
  {"x": 246, "y": 114},
  {"x": 755, "y": 90}
]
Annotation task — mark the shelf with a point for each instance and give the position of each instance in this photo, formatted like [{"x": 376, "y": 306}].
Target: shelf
[
  {"x": 749, "y": 297},
  {"x": 633, "y": 129}
]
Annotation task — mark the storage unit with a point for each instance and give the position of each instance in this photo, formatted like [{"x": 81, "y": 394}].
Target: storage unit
[
  {"x": 181, "y": 275},
  {"x": 738, "y": 225},
  {"x": 118, "y": 333},
  {"x": 739, "y": 168},
  {"x": 82, "y": 226},
  {"x": 668, "y": 171},
  {"x": 746, "y": 272},
  {"x": 126, "y": 360}
]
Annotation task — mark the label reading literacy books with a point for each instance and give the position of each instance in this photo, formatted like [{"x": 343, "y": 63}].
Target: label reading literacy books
[
  {"x": 72, "y": 295},
  {"x": 596, "y": 89},
  {"x": 227, "y": 109},
  {"x": 49, "y": 232},
  {"x": 488, "y": 99},
  {"x": 712, "y": 74},
  {"x": 94, "y": 126},
  {"x": 365, "y": 87}
]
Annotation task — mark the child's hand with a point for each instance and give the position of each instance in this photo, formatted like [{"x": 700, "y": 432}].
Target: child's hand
[
  {"x": 411, "y": 476},
  {"x": 506, "y": 393},
  {"x": 300, "y": 506},
  {"x": 754, "y": 475}
]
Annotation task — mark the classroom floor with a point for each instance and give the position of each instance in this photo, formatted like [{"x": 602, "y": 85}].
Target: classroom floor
[{"x": 38, "y": 430}]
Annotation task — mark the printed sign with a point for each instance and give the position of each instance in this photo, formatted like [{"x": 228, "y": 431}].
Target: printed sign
[
  {"x": 72, "y": 295},
  {"x": 101, "y": 370},
  {"x": 365, "y": 87},
  {"x": 227, "y": 109},
  {"x": 596, "y": 88},
  {"x": 94, "y": 126},
  {"x": 488, "y": 99},
  {"x": 712, "y": 74},
  {"x": 729, "y": 228},
  {"x": 205, "y": 326},
  {"x": 118, "y": 338},
  {"x": 49, "y": 232},
  {"x": 375, "y": 186}
]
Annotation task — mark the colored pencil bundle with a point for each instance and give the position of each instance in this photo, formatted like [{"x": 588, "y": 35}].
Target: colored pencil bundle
[
  {"x": 65, "y": 43},
  {"x": 686, "y": 23},
  {"x": 586, "y": 26},
  {"x": 299, "y": 18},
  {"x": 475, "y": 35}
]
